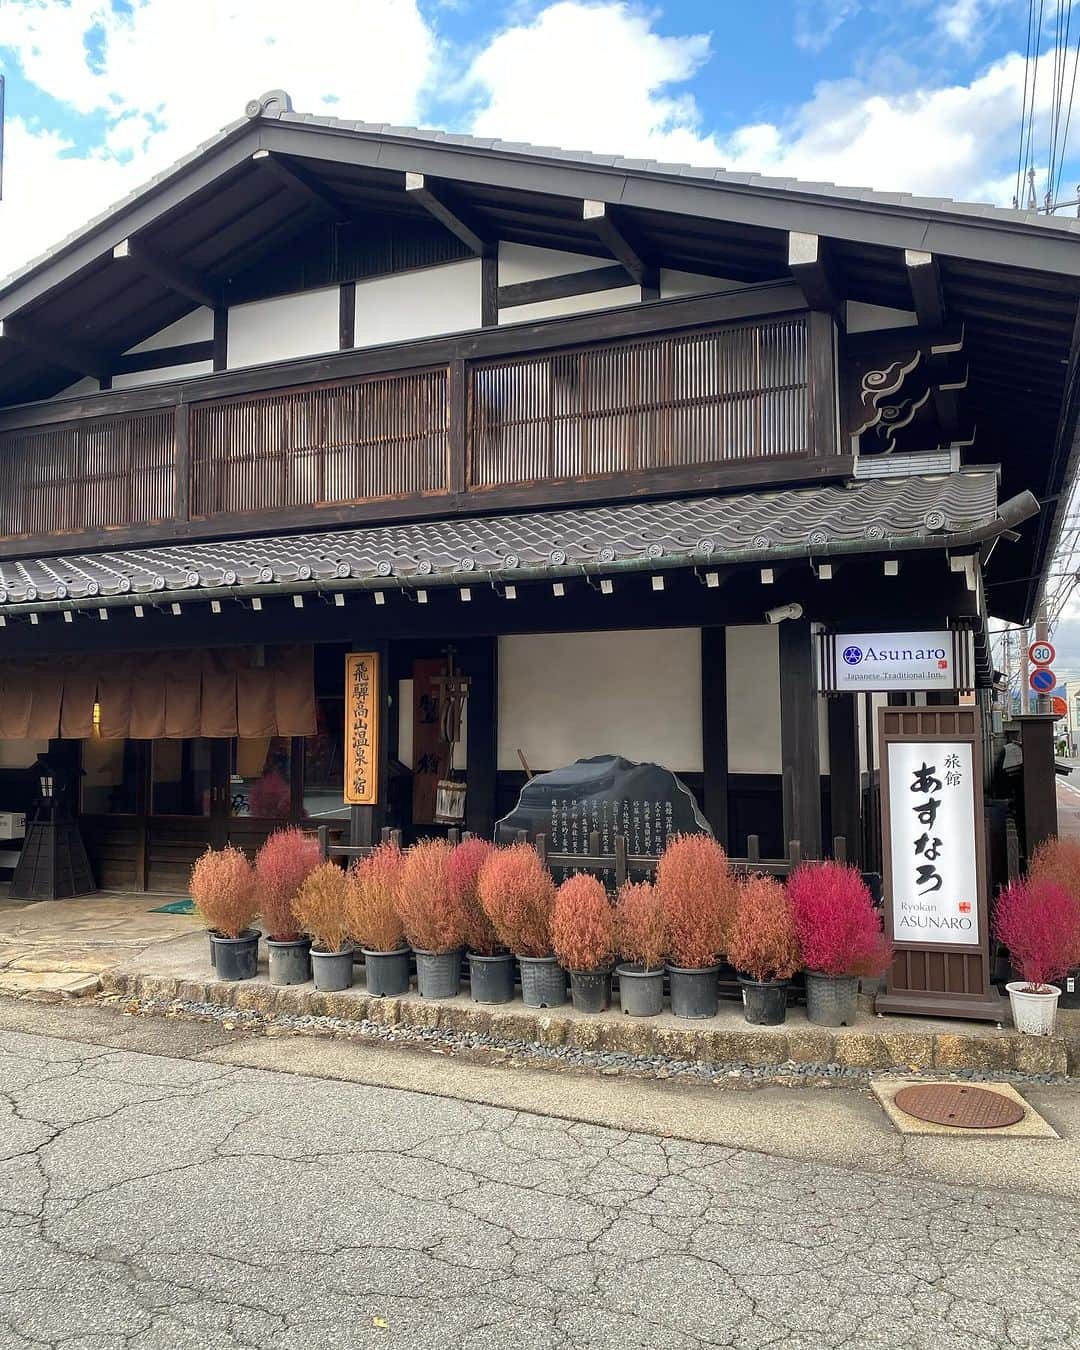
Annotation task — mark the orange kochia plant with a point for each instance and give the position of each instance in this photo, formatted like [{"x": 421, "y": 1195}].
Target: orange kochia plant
[
  {"x": 465, "y": 863},
  {"x": 1057, "y": 860},
  {"x": 223, "y": 887},
  {"x": 583, "y": 924},
  {"x": 517, "y": 893},
  {"x": 639, "y": 926},
  {"x": 322, "y": 907},
  {"x": 698, "y": 896},
  {"x": 427, "y": 904},
  {"x": 280, "y": 868},
  {"x": 373, "y": 894},
  {"x": 764, "y": 944}
]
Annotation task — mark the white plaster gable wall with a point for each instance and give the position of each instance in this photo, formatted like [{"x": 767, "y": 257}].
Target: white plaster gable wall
[
  {"x": 674, "y": 284},
  {"x": 863, "y": 318},
  {"x": 425, "y": 303},
  {"x": 198, "y": 326},
  {"x": 753, "y": 699},
  {"x": 565, "y": 696},
  {"x": 572, "y": 304},
  {"x": 526, "y": 262},
  {"x": 291, "y": 325},
  {"x": 140, "y": 377},
  {"x": 89, "y": 385}
]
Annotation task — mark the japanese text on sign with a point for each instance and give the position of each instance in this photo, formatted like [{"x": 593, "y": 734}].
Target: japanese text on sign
[{"x": 362, "y": 728}]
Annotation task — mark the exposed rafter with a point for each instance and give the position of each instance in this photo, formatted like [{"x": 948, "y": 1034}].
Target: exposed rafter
[
  {"x": 924, "y": 277},
  {"x": 436, "y": 203},
  {"x": 55, "y": 348},
  {"x": 604, "y": 222},
  {"x": 176, "y": 276},
  {"x": 295, "y": 177},
  {"x": 809, "y": 266}
]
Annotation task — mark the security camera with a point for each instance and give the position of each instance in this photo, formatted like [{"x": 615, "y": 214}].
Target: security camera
[{"x": 782, "y": 612}]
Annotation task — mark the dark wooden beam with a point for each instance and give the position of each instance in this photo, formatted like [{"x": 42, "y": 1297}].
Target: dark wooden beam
[
  {"x": 480, "y": 661},
  {"x": 221, "y": 338},
  {"x": 946, "y": 404},
  {"x": 347, "y": 316},
  {"x": 159, "y": 358},
  {"x": 303, "y": 182},
  {"x": 585, "y": 282},
  {"x": 800, "y": 755},
  {"x": 489, "y": 290},
  {"x": 606, "y": 225},
  {"x": 714, "y": 729},
  {"x": 808, "y": 264},
  {"x": 824, "y": 406},
  {"x": 845, "y": 784},
  {"x": 175, "y": 275},
  {"x": 924, "y": 277},
  {"x": 55, "y": 348},
  {"x": 435, "y": 203}
]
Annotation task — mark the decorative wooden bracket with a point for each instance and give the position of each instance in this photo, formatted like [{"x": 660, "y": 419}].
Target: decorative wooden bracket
[
  {"x": 301, "y": 181},
  {"x": 176, "y": 276},
  {"x": 53, "y": 347},
  {"x": 437, "y": 204}
]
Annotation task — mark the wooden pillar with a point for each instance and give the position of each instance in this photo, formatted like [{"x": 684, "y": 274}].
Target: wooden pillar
[
  {"x": 800, "y": 756},
  {"x": 1040, "y": 780},
  {"x": 366, "y": 822},
  {"x": 845, "y": 787},
  {"x": 481, "y": 664},
  {"x": 714, "y": 738}
]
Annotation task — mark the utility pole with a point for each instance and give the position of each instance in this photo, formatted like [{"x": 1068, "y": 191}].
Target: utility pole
[
  {"x": 1023, "y": 639},
  {"x": 1042, "y": 634}
]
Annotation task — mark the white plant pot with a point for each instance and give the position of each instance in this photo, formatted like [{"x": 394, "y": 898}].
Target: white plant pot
[{"x": 1033, "y": 1014}]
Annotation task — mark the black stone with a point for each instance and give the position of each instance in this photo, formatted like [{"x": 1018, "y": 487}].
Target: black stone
[{"x": 609, "y": 795}]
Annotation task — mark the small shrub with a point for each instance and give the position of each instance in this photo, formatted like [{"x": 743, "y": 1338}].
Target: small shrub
[
  {"x": 698, "y": 897},
  {"x": 838, "y": 928},
  {"x": 1040, "y": 924},
  {"x": 583, "y": 924},
  {"x": 426, "y": 903},
  {"x": 465, "y": 863},
  {"x": 322, "y": 907},
  {"x": 517, "y": 893},
  {"x": 639, "y": 926},
  {"x": 763, "y": 942},
  {"x": 1058, "y": 860},
  {"x": 373, "y": 919},
  {"x": 281, "y": 865},
  {"x": 223, "y": 887}
]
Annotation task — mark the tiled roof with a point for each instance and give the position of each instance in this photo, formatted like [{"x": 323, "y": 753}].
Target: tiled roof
[{"x": 861, "y": 516}]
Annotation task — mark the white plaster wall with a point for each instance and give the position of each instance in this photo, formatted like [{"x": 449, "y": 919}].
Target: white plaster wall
[
  {"x": 876, "y": 701},
  {"x": 198, "y": 326},
  {"x": 753, "y": 699},
  {"x": 864, "y": 318},
  {"x": 673, "y": 284},
  {"x": 525, "y": 262},
  {"x": 291, "y": 325},
  {"x": 565, "y": 696},
  {"x": 823, "y": 733},
  {"x": 572, "y": 304},
  {"x": 418, "y": 304},
  {"x": 20, "y": 755},
  {"x": 89, "y": 385},
  {"x": 140, "y": 377}
]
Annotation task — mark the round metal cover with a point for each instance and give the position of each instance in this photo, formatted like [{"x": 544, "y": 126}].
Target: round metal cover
[{"x": 966, "y": 1108}]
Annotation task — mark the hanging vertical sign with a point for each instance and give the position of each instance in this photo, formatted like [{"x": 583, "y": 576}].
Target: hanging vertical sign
[
  {"x": 363, "y": 716},
  {"x": 933, "y": 853}
]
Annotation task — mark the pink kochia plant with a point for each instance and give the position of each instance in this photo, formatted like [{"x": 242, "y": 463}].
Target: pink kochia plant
[
  {"x": 1040, "y": 924},
  {"x": 838, "y": 928},
  {"x": 466, "y": 861},
  {"x": 280, "y": 868}
]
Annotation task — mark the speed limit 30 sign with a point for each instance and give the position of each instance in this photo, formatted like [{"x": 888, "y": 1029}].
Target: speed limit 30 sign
[{"x": 1042, "y": 653}]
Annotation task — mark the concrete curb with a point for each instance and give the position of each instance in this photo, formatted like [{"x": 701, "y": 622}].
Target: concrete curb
[{"x": 798, "y": 1042}]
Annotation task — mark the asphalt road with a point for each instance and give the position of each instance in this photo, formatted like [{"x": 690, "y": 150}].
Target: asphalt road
[{"x": 150, "y": 1201}]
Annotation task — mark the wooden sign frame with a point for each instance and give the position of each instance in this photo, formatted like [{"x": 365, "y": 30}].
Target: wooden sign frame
[
  {"x": 363, "y": 728},
  {"x": 937, "y": 979}
]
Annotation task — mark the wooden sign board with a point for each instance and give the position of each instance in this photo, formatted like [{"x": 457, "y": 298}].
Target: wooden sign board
[
  {"x": 934, "y": 856},
  {"x": 363, "y": 727}
]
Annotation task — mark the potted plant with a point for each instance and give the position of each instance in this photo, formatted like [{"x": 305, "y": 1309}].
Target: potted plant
[
  {"x": 1058, "y": 860},
  {"x": 639, "y": 940},
  {"x": 223, "y": 887},
  {"x": 491, "y": 967},
  {"x": 281, "y": 865},
  {"x": 374, "y": 922},
  {"x": 840, "y": 937},
  {"x": 764, "y": 949},
  {"x": 432, "y": 918},
  {"x": 583, "y": 935},
  {"x": 1040, "y": 924},
  {"x": 321, "y": 908},
  {"x": 697, "y": 898},
  {"x": 517, "y": 893}
]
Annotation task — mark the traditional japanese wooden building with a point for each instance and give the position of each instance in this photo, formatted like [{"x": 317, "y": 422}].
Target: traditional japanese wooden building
[{"x": 612, "y": 439}]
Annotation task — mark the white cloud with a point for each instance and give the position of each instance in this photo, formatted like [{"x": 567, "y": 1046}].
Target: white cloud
[{"x": 818, "y": 21}]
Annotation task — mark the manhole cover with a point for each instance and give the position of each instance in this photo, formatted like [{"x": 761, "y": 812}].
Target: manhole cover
[{"x": 966, "y": 1108}]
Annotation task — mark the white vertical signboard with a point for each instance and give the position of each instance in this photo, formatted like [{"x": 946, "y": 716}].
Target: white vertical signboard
[{"x": 935, "y": 897}]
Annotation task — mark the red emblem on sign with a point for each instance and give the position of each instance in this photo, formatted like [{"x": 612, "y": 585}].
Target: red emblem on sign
[
  {"x": 943, "y": 665},
  {"x": 964, "y": 907}
]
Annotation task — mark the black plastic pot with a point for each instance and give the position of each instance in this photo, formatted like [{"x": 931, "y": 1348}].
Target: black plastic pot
[
  {"x": 387, "y": 973},
  {"x": 491, "y": 978},
  {"x": 289, "y": 962},
  {"x": 211, "y": 934},
  {"x": 333, "y": 971},
  {"x": 695, "y": 990},
  {"x": 831, "y": 1000},
  {"x": 438, "y": 974},
  {"x": 590, "y": 990},
  {"x": 641, "y": 992},
  {"x": 764, "y": 1001},
  {"x": 236, "y": 958},
  {"x": 543, "y": 982}
]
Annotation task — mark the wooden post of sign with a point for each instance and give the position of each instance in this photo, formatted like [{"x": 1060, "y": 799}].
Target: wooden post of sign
[
  {"x": 933, "y": 972},
  {"x": 1040, "y": 778},
  {"x": 366, "y": 753}
]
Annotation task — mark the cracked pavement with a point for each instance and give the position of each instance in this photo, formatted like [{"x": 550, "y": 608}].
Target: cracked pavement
[{"x": 149, "y": 1201}]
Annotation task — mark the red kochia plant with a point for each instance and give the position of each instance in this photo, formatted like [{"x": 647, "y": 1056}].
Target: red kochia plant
[
  {"x": 322, "y": 905},
  {"x": 583, "y": 924},
  {"x": 427, "y": 905},
  {"x": 1058, "y": 860},
  {"x": 281, "y": 865},
  {"x": 698, "y": 897},
  {"x": 1040, "y": 924},
  {"x": 517, "y": 893},
  {"x": 639, "y": 926},
  {"x": 763, "y": 942},
  {"x": 373, "y": 918},
  {"x": 465, "y": 863},
  {"x": 838, "y": 928},
  {"x": 223, "y": 887}
]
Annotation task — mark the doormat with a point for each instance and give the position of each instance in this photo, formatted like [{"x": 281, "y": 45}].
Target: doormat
[{"x": 174, "y": 907}]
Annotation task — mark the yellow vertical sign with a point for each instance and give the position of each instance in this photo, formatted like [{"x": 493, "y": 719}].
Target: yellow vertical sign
[{"x": 363, "y": 716}]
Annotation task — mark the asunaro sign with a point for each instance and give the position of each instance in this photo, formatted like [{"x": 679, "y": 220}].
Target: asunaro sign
[{"x": 865, "y": 662}]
